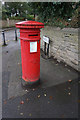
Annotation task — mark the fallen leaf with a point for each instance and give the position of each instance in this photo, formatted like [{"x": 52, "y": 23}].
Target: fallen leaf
[
  {"x": 45, "y": 95},
  {"x": 69, "y": 80},
  {"x": 5, "y": 102},
  {"x": 33, "y": 89},
  {"x": 26, "y": 90},
  {"x": 78, "y": 101},
  {"x": 69, "y": 93},
  {"x": 38, "y": 96},
  {"x": 11, "y": 97},
  {"x": 27, "y": 99},
  {"x": 18, "y": 107},
  {"x": 30, "y": 114},
  {"x": 69, "y": 88},
  {"x": 48, "y": 102},
  {"x": 51, "y": 97},
  {"x": 18, "y": 63},
  {"x": 22, "y": 102},
  {"x": 21, "y": 113},
  {"x": 62, "y": 116},
  {"x": 65, "y": 65}
]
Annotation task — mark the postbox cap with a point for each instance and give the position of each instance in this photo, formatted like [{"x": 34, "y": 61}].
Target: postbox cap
[{"x": 29, "y": 24}]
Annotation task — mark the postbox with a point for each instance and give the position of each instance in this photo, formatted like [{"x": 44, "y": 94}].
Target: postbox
[{"x": 30, "y": 49}]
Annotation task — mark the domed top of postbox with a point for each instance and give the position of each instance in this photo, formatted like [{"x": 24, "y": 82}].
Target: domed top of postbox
[{"x": 29, "y": 24}]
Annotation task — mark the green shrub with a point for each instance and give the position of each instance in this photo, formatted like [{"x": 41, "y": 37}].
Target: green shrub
[
  {"x": 29, "y": 17},
  {"x": 16, "y": 18}
]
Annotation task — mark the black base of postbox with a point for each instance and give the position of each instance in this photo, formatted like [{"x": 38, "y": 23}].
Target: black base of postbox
[{"x": 31, "y": 85}]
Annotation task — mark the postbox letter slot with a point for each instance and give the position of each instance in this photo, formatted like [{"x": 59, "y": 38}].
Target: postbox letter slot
[{"x": 34, "y": 35}]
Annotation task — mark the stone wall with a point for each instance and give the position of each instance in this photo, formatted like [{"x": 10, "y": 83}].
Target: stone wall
[
  {"x": 9, "y": 23},
  {"x": 63, "y": 45}
]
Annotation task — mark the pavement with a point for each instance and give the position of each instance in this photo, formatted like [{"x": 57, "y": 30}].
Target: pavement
[{"x": 55, "y": 97}]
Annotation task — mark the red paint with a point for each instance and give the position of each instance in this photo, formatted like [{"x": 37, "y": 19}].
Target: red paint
[{"x": 30, "y": 32}]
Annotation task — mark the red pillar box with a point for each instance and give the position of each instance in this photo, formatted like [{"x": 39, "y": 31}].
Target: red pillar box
[{"x": 30, "y": 50}]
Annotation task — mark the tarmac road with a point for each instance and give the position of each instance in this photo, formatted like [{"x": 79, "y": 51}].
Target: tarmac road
[{"x": 9, "y": 35}]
